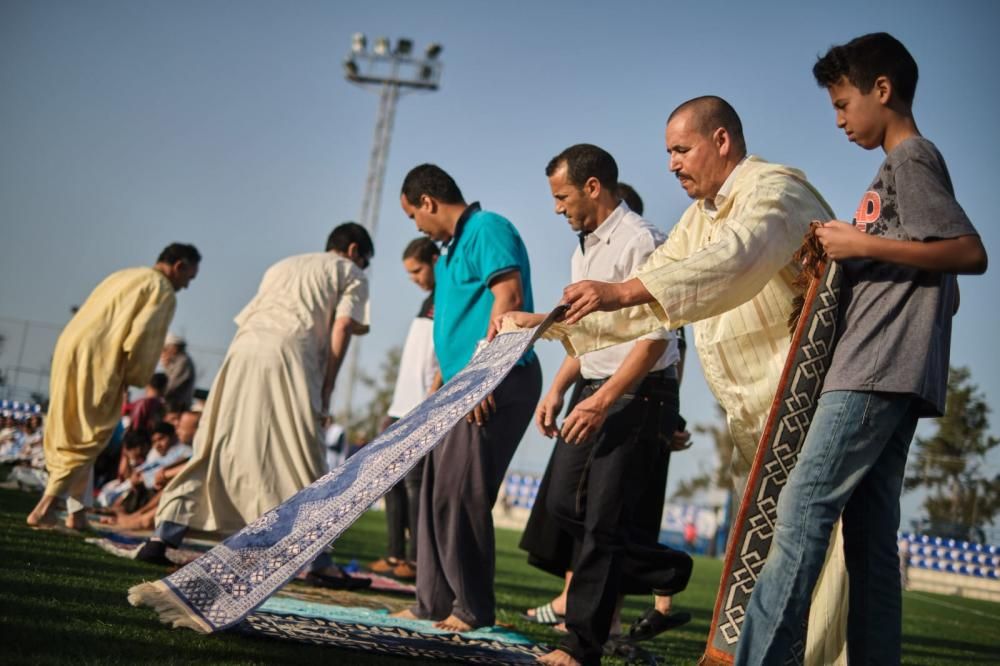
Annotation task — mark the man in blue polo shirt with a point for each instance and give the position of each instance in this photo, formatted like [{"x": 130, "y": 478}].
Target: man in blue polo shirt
[{"x": 483, "y": 272}]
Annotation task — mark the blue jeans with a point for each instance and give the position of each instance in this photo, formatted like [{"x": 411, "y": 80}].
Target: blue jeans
[{"x": 853, "y": 462}]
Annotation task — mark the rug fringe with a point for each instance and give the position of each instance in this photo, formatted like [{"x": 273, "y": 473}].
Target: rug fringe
[{"x": 171, "y": 610}]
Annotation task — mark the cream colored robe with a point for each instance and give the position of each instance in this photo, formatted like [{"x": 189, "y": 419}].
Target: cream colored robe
[
  {"x": 730, "y": 275},
  {"x": 113, "y": 342},
  {"x": 258, "y": 442}
]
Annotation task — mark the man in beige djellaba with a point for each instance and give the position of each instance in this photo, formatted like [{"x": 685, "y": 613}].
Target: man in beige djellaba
[
  {"x": 112, "y": 342},
  {"x": 259, "y": 439},
  {"x": 727, "y": 269}
]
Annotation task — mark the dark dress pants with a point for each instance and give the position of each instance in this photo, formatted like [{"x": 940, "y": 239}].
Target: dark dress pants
[
  {"x": 618, "y": 554},
  {"x": 462, "y": 478}
]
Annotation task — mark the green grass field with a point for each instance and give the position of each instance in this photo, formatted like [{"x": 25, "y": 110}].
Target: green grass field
[{"x": 62, "y": 601}]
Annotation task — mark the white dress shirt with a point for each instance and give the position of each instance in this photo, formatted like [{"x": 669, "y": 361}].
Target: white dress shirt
[{"x": 611, "y": 253}]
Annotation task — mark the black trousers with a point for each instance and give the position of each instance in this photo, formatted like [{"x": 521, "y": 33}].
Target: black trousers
[
  {"x": 553, "y": 549},
  {"x": 462, "y": 478},
  {"x": 618, "y": 552},
  {"x": 402, "y": 508}
]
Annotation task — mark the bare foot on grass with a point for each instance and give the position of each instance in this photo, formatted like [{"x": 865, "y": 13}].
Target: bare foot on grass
[
  {"x": 558, "y": 658},
  {"x": 43, "y": 515}
]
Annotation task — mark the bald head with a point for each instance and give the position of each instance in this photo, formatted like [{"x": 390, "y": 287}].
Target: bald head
[{"x": 709, "y": 113}]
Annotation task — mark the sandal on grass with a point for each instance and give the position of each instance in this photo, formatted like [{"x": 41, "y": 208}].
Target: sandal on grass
[
  {"x": 342, "y": 582},
  {"x": 653, "y": 623},
  {"x": 544, "y": 614}
]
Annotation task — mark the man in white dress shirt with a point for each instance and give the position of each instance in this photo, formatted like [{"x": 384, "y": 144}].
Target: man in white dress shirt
[{"x": 611, "y": 445}]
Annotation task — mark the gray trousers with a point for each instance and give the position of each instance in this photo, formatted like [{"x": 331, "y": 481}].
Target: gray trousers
[{"x": 462, "y": 477}]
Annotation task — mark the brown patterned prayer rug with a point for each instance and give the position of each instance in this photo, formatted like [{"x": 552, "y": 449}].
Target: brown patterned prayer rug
[{"x": 784, "y": 433}]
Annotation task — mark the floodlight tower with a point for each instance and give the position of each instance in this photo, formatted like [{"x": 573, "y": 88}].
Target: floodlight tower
[{"x": 391, "y": 71}]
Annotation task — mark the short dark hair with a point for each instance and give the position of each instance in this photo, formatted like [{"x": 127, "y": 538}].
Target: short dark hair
[
  {"x": 584, "y": 161},
  {"x": 627, "y": 193},
  {"x": 864, "y": 59},
  {"x": 342, "y": 236},
  {"x": 179, "y": 252},
  {"x": 433, "y": 181},
  {"x": 159, "y": 381},
  {"x": 135, "y": 439},
  {"x": 712, "y": 112},
  {"x": 422, "y": 249},
  {"x": 165, "y": 428}
]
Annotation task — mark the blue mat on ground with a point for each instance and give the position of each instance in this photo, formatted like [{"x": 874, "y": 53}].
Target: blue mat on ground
[{"x": 375, "y": 631}]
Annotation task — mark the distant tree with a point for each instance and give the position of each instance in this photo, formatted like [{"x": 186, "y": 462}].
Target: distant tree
[
  {"x": 951, "y": 465},
  {"x": 364, "y": 424}
]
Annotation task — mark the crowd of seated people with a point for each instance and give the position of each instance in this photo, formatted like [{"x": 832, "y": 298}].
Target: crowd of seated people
[
  {"x": 149, "y": 447},
  {"x": 21, "y": 450}
]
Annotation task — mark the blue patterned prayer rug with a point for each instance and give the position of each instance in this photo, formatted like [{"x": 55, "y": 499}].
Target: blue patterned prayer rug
[
  {"x": 219, "y": 589},
  {"x": 375, "y": 631},
  {"x": 785, "y": 432}
]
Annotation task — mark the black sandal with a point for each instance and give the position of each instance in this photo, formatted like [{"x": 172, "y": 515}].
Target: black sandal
[
  {"x": 653, "y": 623},
  {"x": 342, "y": 582}
]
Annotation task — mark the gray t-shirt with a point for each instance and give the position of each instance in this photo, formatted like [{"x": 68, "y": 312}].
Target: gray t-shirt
[{"x": 895, "y": 321}]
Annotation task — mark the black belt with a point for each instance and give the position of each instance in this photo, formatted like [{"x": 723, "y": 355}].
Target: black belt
[{"x": 669, "y": 372}]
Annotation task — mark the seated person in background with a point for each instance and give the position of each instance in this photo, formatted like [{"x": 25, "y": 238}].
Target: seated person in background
[
  {"x": 148, "y": 410},
  {"x": 134, "y": 448},
  {"x": 28, "y": 457},
  {"x": 187, "y": 426},
  {"x": 11, "y": 439},
  {"x": 164, "y": 461}
]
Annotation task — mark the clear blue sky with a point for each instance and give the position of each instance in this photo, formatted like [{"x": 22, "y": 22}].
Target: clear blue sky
[{"x": 125, "y": 125}]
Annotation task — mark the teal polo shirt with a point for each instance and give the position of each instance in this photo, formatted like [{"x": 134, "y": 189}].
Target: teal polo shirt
[{"x": 485, "y": 246}]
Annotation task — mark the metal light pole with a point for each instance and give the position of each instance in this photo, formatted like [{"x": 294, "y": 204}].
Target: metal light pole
[{"x": 391, "y": 71}]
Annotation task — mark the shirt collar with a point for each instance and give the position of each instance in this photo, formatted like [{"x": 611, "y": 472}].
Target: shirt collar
[
  {"x": 469, "y": 211},
  {"x": 712, "y": 207},
  {"x": 605, "y": 229}
]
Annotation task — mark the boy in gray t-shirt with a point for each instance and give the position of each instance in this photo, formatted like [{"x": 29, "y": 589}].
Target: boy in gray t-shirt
[{"x": 889, "y": 368}]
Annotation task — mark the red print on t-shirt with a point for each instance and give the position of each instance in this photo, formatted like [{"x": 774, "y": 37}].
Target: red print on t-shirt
[{"x": 868, "y": 210}]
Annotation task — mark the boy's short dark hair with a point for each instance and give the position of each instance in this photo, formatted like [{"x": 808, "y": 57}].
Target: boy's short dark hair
[
  {"x": 627, "y": 193},
  {"x": 179, "y": 252},
  {"x": 583, "y": 161},
  {"x": 422, "y": 249},
  {"x": 341, "y": 237},
  {"x": 433, "y": 181},
  {"x": 135, "y": 439},
  {"x": 164, "y": 428},
  {"x": 159, "y": 382},
  {"x": 864, "y": 59}
]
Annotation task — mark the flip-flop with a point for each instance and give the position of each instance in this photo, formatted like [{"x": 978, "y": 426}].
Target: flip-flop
[
  {"x": 344, "y": 582},
  {"x": 544, "y": 614},
  {"x": 626, "y": 649},
  {"x": 653, "y": 623}
]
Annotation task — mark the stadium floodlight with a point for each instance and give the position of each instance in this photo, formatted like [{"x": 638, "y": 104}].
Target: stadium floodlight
[
  {"x": 391, "y": 72},
  {"x": 404, "y": 46},
  {"x": 358, "y": 42}
]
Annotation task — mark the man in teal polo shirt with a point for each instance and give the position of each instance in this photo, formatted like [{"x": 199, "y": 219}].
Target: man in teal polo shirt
[{"x": 482, "y": 273}]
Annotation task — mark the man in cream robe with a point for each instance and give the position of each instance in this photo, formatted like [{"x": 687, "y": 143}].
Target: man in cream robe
[
  {"x": 259, "y": 439},
  {"x": 112, "y": 342},
  {"x": 726, "y": 268}
]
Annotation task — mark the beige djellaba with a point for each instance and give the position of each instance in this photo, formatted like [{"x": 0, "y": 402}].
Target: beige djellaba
[
  {"x": 727, "y": 269},
  {"x": 258, "y": 442}
]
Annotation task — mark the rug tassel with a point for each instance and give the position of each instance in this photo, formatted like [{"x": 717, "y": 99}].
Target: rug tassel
[{"x": 171, "y": 611}]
